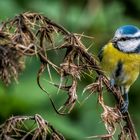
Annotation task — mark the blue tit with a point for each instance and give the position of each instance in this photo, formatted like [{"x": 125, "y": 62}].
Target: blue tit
[{"x": 120, "y": 60}]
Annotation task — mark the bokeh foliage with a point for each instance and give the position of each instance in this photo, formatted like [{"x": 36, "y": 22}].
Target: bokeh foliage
[{"x": 98, "y": 18}]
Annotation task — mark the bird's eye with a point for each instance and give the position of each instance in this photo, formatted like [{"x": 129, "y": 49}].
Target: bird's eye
[{"x": 123, "y": 39}]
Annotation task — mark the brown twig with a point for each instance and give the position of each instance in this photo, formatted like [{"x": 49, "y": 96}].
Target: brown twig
[
  {"x": 16, "y": 128},
  {"x": 31, "y": 34}
]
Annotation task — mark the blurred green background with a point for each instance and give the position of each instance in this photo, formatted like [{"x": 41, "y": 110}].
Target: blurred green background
[{"x": 98, "y": 18}]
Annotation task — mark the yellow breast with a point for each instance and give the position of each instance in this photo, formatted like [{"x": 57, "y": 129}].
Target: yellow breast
[{"x": 130, "y": 62}]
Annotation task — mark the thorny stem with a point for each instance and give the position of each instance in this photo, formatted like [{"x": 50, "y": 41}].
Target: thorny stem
[
  {"x": 30, "y": 34},
  {"x": 114, "y": 90},
  {"x": 13, "y": 128},
  {"x": 41, "y": 70}
]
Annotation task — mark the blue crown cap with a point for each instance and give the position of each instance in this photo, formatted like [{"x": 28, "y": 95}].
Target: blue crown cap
[{"x": 127, "y": 30}]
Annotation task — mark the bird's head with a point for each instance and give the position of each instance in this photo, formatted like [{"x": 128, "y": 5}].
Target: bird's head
[{"x": 127, "y": 39}]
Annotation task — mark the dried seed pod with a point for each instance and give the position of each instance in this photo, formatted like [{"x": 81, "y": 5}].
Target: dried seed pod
[{"x": 11, "y": 61}]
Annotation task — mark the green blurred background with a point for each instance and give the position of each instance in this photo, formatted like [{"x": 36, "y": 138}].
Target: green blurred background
[{"x": 98, "y": 18}]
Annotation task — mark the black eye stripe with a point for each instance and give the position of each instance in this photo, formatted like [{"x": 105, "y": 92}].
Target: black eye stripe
[
  {"x": 123, "y": 39},
  {"x": 128, "y": 38}
]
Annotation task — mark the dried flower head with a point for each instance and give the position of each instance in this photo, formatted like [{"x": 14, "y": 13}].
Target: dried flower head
[
  {"x": 31, "y": 34},
  {"x": 11, "y": 61},
  {"x": 18, "y": 128}
]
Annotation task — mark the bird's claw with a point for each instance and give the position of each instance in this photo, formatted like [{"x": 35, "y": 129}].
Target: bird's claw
[{"x": 124, "y": 107}]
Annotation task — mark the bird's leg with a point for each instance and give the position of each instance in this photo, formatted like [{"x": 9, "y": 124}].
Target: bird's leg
[
  {"x": 124, "y": 107},
  {"x": 112, "y": 82}
]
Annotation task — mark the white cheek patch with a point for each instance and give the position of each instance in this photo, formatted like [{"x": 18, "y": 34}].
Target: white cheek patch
[{"x": 128, "y": 45}]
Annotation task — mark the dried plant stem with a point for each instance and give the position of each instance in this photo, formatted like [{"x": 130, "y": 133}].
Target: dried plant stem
[
  {"x": 118, "y": 97},
  {"x": 16, "y": 128},
  {"x": 32, "y": 34},
  {"x": 117, "y": 94}
]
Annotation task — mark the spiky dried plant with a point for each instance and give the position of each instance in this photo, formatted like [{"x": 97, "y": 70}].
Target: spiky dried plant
[
  {"x": 16, "y": 128},
  {"x": 32, "y": 34},
  {"x": 11, "y": 61}
]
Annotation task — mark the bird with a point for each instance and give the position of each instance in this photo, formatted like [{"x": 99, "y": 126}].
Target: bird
[{"x": 120, "y": 60}]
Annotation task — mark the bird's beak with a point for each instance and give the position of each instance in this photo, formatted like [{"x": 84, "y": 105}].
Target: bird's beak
[{"x": 114, "y": 40}]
